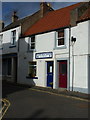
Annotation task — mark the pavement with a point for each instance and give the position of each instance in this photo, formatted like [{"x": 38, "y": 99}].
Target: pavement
[
  {"x": 38, "y": 102},
  {"x": 57, "y": 91},
  {"x": 64, "y": 92}
]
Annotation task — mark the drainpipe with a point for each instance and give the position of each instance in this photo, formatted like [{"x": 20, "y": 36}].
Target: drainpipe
[
  {"x": 72, "y": 66},
  {"x": 73, "y": 40},
  {"x": 69, "y": 53}
]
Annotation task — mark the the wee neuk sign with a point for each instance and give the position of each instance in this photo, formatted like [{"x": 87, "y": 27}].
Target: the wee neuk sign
[{"x": 43, "y": 55}]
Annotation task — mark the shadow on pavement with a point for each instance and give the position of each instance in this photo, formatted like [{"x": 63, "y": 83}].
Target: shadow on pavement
[
  {"x": 8, "y": 88},
  {"x": 36, "y": 114}
]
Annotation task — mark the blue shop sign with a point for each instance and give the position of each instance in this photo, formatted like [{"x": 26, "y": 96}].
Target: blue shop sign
[{"x": 43, "y": 55}]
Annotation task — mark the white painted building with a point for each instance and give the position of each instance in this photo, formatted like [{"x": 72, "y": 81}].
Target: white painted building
[
  {"x": 51, "y": 59},
  {"x": 9, "y": 50},
  {"x": 53, "y": 52},
  {"x": 9, "y": 41}
]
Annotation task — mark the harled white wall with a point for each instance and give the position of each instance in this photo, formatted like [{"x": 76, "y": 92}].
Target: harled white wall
[
  {"x": 80, "y": 48},
  {"x": 46, "y": 43},
  {"x": 7, "y": 40}
]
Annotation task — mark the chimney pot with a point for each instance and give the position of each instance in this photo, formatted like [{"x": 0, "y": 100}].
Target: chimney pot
[{"x": 45, "y": 7}]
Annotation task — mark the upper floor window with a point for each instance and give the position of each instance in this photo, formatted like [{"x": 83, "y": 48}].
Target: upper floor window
[
  {"x": 1, "y": 40},
  {"x": 13, "y": 37},
  {"x": 32, "y": 43},
  {"x": 60, "y": 38}
]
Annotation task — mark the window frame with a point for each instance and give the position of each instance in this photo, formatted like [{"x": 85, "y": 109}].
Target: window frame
[
  {"x": 29, "y": 65},
  {"x": 58, "y": 38},
  {"x": 30, "y": 42},
  {"x": 13, "y": 37}
]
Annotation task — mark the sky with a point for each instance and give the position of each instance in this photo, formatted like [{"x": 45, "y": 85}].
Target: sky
[{"x": 26, "y": 8}]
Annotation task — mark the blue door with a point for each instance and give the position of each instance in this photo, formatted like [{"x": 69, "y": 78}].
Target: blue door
[{"x": 50, "y": 74}]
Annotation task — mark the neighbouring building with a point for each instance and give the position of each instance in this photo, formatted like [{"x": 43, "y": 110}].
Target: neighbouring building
[
  {"x": 55, "y": 51},
  {"x": 9, "y": 41}
]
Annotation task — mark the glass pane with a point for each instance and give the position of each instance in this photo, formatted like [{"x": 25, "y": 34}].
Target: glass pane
[
  {"x": 32, "y": 45},
  {"x": 13, "y": 37},
  {"x": 32, "y": 69},
  {"x": 50, "y": 68},
  {"x": 33, "y": 39},
  {"x": 61, "y": 41},
  {"x": 14, "y": 33},
  {"x": 60, "y": 33},
  {"x": 64, "y": 68}
]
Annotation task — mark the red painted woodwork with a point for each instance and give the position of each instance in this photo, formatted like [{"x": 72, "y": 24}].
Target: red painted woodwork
[{"x": 63, "y": 74}]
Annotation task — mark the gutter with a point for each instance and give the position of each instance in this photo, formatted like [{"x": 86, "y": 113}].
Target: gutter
[{"x": 44, "y": 32}]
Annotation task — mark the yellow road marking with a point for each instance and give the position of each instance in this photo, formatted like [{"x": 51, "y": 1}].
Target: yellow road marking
[
  {"x": 77, "y": 98},
  {"x": 6, "y": 104}
]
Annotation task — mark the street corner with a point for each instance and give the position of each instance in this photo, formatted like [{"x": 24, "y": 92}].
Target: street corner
[{"x": 4, "y": 105}]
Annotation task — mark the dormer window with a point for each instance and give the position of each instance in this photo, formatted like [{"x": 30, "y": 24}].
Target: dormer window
[
  {"x": 13, "y": 37},
  {"x": 32, "y": 43},
  {"x": 60, "y": 38}
]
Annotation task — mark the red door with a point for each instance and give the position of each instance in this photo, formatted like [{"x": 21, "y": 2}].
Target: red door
[{"x": 63, "y": 74}]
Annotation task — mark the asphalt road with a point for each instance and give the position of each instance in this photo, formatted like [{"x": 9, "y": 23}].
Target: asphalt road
[{"x": 28, "y": 103}]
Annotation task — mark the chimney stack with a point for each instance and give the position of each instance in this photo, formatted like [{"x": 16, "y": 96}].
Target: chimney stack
[
  {"x": 77, "y": 12},
  {"x": 44, "y": 8},
  {"x": 1, "y": 25},
  {"x": 14, "y": 17}
]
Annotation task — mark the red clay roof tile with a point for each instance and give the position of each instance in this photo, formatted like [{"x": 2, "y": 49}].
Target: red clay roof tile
[{"x": 53, "y": 20}]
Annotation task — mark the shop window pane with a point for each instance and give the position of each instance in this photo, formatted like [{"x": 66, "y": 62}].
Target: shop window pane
[{"x": 32, "y": 69}]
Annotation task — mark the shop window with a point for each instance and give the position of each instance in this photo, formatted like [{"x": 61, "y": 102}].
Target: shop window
[
  {"x": 60, "y": 38},
  {"x": 31, "y": 43},
  {"x": 32, "y": 69},
  {"x": 1, "y": 40},
  {"x": 13, "y": 37}
]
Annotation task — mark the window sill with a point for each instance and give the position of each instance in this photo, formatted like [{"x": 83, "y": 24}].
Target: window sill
[
  {"x": 60, "y": 47},
  {"x": 31, "y": 77},
  {"x": 12, "y": 46}
]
